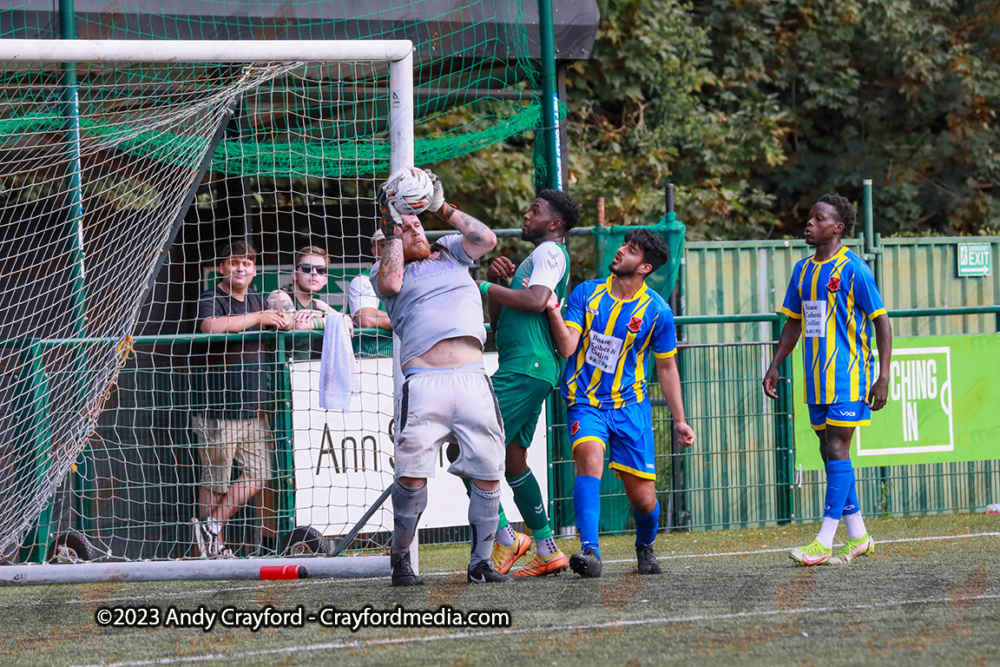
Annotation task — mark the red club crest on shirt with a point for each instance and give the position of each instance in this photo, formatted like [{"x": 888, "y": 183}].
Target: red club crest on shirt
[
  {"x": 574, "y": 428},
  {"x": 834, "y": 284},
  {"x": 635, "y": 324}
]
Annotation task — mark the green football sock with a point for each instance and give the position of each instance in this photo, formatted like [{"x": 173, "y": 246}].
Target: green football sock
[{"x": 528, "y": 497}]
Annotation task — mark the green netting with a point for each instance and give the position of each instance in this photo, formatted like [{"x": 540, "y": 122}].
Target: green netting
[
  {"x": 669, "y": 227},
  {"x": 472, "y": 71}
]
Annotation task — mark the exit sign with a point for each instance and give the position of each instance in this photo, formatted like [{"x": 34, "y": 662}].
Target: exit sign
[{"x": 974, "y": 259}]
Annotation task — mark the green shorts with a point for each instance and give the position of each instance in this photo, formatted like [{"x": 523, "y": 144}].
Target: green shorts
[{"x": 520, "y": 398}]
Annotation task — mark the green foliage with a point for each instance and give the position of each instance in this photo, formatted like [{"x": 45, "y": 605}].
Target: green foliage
[{"x": 756, "y": 108}]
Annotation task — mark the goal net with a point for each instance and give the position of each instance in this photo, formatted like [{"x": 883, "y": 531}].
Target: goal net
[{"x": 151, "y": 195}]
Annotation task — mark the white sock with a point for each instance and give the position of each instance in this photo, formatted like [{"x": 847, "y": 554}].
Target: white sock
[
  {"x": 546, "y": 547},
  {"x": 505, "y": 536},
  {"x": 828, "y": 531},
  {"x": 855, "y": 526}
]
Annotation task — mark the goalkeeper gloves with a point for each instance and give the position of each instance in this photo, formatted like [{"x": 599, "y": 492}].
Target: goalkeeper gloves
[
  {"x": 436, "y": 199},
  {"x": 392, "y": 223}
]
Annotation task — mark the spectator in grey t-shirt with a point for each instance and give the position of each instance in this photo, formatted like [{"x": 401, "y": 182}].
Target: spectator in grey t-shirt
[{"x": 437, "y": 312}]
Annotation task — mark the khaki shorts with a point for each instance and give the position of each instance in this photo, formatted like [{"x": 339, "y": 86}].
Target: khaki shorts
[
  {"x": 226, "y": 440},
  {"x": 451, "y": 405}
]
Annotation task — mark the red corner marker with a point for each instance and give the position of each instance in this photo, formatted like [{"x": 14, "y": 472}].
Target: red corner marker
[{"x": 275, "y": 572}]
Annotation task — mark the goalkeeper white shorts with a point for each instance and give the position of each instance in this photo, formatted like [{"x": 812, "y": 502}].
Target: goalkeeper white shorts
[{"x": 450, "y": 405}]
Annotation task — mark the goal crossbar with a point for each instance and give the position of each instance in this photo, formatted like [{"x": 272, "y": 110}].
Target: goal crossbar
[{"x": 192, "y": 51}]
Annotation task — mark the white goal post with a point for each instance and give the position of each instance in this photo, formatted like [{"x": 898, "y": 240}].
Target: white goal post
[{"x": 109, "y": 186}]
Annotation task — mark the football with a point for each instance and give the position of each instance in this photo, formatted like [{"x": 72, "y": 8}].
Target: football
[{"x": 410, "y": 190}]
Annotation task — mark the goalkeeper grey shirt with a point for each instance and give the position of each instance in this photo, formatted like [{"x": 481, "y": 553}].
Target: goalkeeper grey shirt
[{"x": 438, "y": 300}]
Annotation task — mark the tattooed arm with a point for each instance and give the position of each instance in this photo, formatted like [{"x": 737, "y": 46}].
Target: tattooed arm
[
  {"x": 479, "y": 239},
  {"x": 390, "y": 268}
]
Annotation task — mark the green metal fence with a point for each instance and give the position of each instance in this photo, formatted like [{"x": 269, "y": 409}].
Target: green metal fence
[{"x": 740, "y": 473}]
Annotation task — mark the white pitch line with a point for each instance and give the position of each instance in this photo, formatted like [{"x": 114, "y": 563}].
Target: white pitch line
[
  {"x": 520, "y": 631},
  {"x": 781, "y": 549},
  {"x": 307, "y": 582}
]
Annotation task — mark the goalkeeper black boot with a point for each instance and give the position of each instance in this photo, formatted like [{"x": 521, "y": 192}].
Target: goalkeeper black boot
[
  {"x": 647, "y": 560},
  {"x": 402, "y": 571},
  {"x": 483, "y": 573},
  {"x": 586, "y": 564}
]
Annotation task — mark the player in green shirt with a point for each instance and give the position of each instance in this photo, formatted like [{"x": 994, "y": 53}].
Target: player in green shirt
[{"x": 530, "y": 367}]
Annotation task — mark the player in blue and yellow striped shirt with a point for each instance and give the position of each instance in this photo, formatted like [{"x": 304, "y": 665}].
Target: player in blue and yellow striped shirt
[
  {"x": 612, "y": 328},
  {"x": 834, "y": 304}
]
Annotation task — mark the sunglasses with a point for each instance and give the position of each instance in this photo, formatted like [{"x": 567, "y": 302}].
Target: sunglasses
[{"x": 309, "y": 268}]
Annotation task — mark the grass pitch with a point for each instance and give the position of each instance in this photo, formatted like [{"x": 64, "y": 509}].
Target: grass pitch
[{"x": 724, "y": 597}]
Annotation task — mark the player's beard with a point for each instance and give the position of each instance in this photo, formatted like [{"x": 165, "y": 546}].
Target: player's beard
[
  {"x": 417, "y": 251},
  {"x": 531, "y": 237},
  {"x": 623, "y": 271}
]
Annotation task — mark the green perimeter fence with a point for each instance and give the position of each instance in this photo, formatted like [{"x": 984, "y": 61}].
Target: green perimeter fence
[{"x": 740, "y": 472}]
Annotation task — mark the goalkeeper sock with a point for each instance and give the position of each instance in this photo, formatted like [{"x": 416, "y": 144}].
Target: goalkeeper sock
[
  {"x": 646, "y": 526},
  {"x": 587, "y": 503},
  {"x": 483, "y": 515},
  {"x": 407, "y": 506},
  {"x": 505, "y": 534}
]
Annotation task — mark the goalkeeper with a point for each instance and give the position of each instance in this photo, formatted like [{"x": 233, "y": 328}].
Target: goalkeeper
[
  {"x": 529, "y": 369},
  {"x": 437, "y": 312}
]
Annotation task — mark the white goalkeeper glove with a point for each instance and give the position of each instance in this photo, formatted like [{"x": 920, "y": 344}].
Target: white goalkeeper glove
[{"x": 436, "y": 199}]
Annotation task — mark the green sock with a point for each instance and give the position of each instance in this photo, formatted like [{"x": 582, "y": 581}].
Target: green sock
[
  {"x": 528, "y": 497},
  {"x": 505, "y": 534}
]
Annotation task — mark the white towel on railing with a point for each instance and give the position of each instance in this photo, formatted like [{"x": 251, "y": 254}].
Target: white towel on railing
[{"x": 340, "y": 373}]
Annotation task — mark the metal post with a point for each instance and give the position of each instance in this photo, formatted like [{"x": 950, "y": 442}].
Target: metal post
[
  {"x": 783, "y": 434},
  {"x": 74, "y": 222},
  {"x": 283, "y": 436},
  {"x": 873, "y": 250},
  {"x": 872, "y": 244},
  {"x": 550, "y": 97}
]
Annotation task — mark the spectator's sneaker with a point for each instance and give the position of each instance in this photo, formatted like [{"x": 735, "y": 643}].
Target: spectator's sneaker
[
  {"x": 483, "y": 573},
  {"x": 647, "y": 560},
  {"x": 812, "y": 554},
  {"x": 542, "y": 565},
  {"x": 505, "y": 557},
  {"x": 586, "y": 564},
  {"x": 203, "y": 537},
  {"x": 863, "y": 546},
  {"x": 402, "y": 571}
]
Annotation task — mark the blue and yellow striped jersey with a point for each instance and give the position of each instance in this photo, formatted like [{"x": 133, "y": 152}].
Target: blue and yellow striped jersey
[
  {"x": 608, "y": 369},
  {"x": 837, "y": 300}
]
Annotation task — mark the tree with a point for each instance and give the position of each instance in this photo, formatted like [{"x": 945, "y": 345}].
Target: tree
[{"x": 754, "y": 109}]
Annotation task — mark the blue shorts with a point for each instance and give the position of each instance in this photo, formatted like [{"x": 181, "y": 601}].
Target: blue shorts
[
  {"x": 628, "y": 431},
  {"x": 846, "y": 413}
]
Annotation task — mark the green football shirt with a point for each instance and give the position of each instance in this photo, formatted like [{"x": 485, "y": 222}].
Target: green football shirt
[{"x": 524, "y": 340}]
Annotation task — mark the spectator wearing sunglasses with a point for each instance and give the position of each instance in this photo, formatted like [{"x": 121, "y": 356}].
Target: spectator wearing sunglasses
[{"x": 298, "y": 298}]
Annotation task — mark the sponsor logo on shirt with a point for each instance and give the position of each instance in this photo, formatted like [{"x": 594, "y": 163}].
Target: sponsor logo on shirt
[
  {"x": 635, "y": 324},
  {"x": 834, "y": 284},
  {"x": 591, "y": 311}
]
